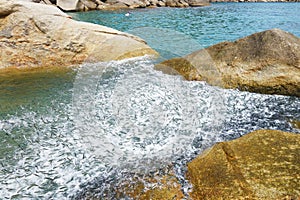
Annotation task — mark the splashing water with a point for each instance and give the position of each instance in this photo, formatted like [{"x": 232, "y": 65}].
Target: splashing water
[
  {"x": 125, "y": 117},
  {"x": 136, "y": 115}
]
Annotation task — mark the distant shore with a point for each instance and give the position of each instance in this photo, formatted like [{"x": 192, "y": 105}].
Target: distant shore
[{"x": 87, "y": 5}]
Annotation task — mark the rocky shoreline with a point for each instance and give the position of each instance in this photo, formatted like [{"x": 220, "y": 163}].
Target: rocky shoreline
[
  {"x": 86, "y": 5},
  {"x": 263, "y": 164}
]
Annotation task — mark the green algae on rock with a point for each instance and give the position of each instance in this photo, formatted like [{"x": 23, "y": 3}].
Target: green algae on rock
[{"x": 263, "y": 164}]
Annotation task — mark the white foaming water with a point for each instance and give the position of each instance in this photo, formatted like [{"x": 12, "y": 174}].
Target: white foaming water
[
  {"x": 125, "y": 116},
  {"x": 129, "y": 114},
  {"x": 51, "y": 165}
]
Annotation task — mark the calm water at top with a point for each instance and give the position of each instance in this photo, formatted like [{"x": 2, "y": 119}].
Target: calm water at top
[
  {"x": 206, "y": 25},
  {"x": 67, "y": 132}
]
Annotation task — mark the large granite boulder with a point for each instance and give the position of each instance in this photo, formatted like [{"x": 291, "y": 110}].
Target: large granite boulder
[
  {"x": 68, "y": 5},
  {"x": 263, "y": 164},
  {"x": 33, "y": 35},
  {"x": 265, "y": 62}
]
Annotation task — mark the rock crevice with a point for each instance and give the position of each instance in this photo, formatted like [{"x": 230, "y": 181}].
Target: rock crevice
[
  {"x": 234, "y": 166},
  {"x": 260, "y": 165}
]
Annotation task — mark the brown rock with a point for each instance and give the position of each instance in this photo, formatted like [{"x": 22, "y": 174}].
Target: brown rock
[
  {"x": 90, "y": 4},
  {"x": 68, "y": 5},
  {"x": 165, "y": 187},
  {"x": 34, "y": 35},
  {"x": 295, "y": 123},
  {"x": 161, "y": 3},
  {"x": 156, "y": 186},
  {"x": 128, "y": 2},
  {"x": 198, "y": 3},
  {"x": 153, "y": 2},
  {"x": 263, "y": 164},
  {"x": 183, "y": 3},
  {"x": 179, "y": 66},
  {"x": 118, "y": 6},
  {"x": 265, "y": 62},
  {"x": 171, "y": 3}
]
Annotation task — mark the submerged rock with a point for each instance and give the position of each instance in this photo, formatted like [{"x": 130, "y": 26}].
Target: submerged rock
[
  {"x": 33, "y": 35},
  {"x": 158, "y": 185},
  {"x": 155, "y": 188},
  {"x": 295, "y": 123},
  {"x": 264, "y": 164},
  {"x": 265, "y": 62}
]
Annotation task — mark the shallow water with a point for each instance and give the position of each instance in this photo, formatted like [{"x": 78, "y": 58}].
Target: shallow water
[{"x": 68, "y": 132}]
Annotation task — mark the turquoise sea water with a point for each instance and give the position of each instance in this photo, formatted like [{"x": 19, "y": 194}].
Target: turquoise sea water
[
  {"x": 206, "y": 25},
  {"x": 64, "y": 133}
]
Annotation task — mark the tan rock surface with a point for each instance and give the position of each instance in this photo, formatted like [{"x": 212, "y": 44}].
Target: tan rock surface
[
  {"x": 263, "y": 164},
  {"x": 85, "y": 5},
  {"x": 264, "y": 62},
  {"x": 34, "y": 35},
  {"x": 68, "y": 5},
  {"x": 166, "y": 187},
  {"x": 295, "y": 123},
  {"x": 153, "y": 186}
]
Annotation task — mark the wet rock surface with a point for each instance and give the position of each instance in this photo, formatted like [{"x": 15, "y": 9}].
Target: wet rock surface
[
  {"x": 263, "y": 164},
  {"x": 161, "y": 184}
]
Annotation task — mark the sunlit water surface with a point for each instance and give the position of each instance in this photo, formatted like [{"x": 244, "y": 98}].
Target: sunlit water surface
[
  {"x": 68, "y": 132},
  {"x": 206, "y": 25}
]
